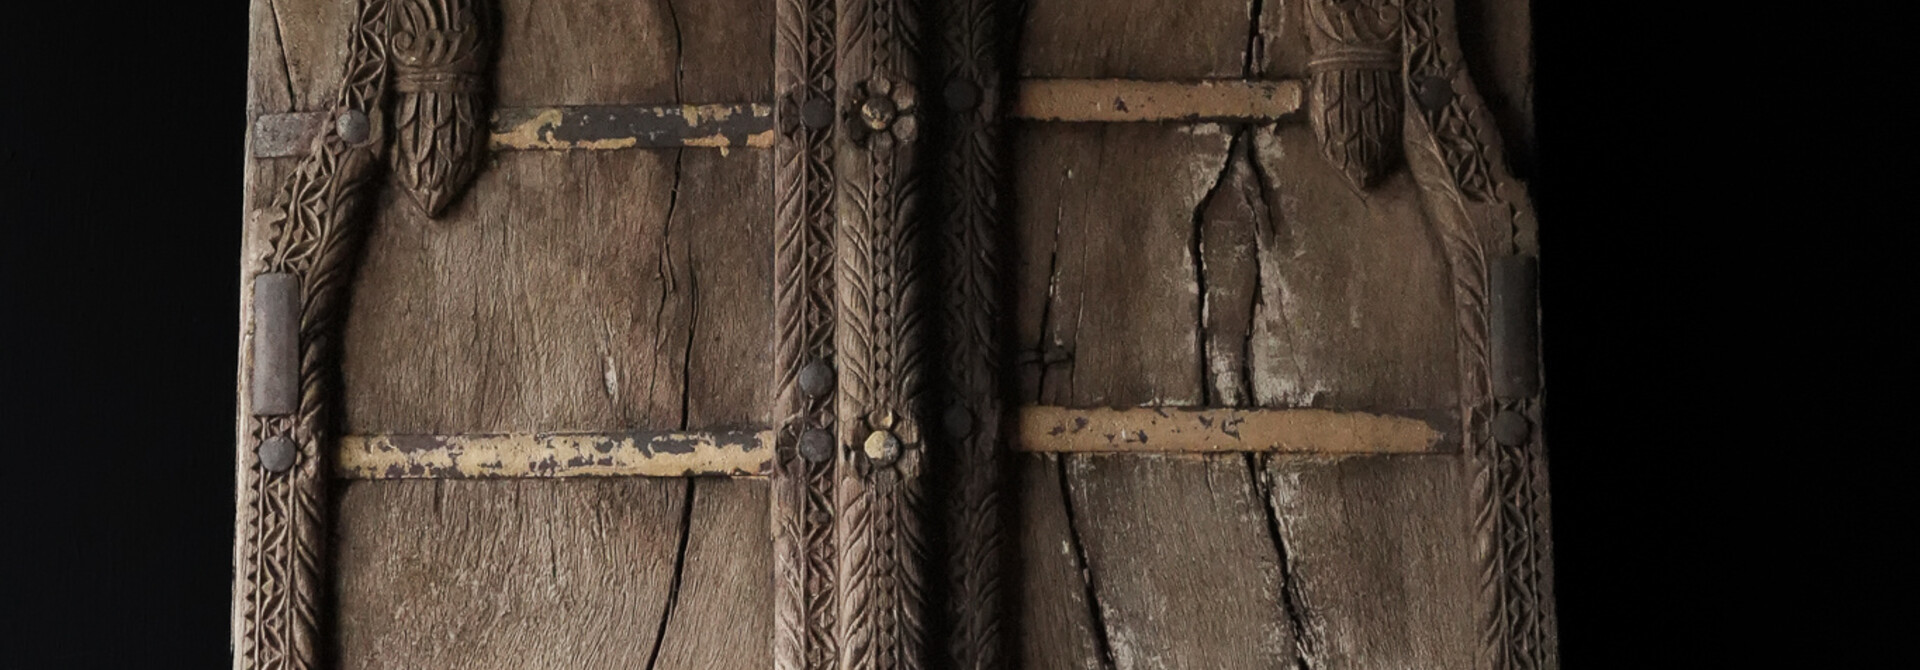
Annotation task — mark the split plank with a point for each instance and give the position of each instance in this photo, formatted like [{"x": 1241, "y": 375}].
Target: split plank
[
  {"x": 1057, "y": 628},
  {"x": 1380, "y": 559},
  {"x": 722, "y": 616}
]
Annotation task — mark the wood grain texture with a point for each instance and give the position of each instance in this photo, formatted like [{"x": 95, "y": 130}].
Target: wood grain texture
[
  {"x": 1108, "y": 294},
  {"x": 1378, "y": 557},
  {"x": 1354, "y": 308},
  {"x": 1118, "y": 270},
  {"x": 723, "y": 611},
  {"x": 1134, "y": 39},
  {"x": 505, "y": 574},
  {"x": 600, "y": 291},
  {"x": 1179, "y": 555},
  {"x": 1055, "y": 611}
]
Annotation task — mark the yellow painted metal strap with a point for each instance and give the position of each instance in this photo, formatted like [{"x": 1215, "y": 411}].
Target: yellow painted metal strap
[
  {"x": 1204, "y": 430},
  {"x": 544, "y": 455}
]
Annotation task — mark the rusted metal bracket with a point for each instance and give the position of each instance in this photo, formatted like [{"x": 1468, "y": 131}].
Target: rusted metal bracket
[
  {"x": 1515, "y": 329},
  {"x": 1198, "y": 430},
  {"x": 548, "y": 455},
  {"x": 750, "y": 125}
]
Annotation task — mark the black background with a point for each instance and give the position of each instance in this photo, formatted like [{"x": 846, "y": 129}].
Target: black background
[{"x": 122, "y": 152}]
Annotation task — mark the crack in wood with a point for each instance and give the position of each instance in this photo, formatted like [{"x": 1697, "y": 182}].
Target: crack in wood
[
  {"x": 679, "y": 572},
  {"x": 1292, "y": 602},
  {"x": 286, "y": 63},
  {"x": 1102, "y": 643}
]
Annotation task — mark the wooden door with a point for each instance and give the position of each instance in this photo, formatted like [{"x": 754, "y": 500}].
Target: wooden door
[{"x": 885, "y": 334}]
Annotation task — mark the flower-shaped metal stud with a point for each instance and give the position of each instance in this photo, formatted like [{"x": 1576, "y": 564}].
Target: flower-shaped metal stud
[{"x": 884, "y": 111}]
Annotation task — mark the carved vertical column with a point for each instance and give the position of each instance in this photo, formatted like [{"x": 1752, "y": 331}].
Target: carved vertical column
[
  {"x": 1486, "y": 230},
  {"x": 440, "y": 52},
  {"x": 1354, "y": 99},
  {"x": 804, "y": 508},
  {"x": 882, "y": 455},
  {"x": 316, "y": 225},
  {"x": 970, "y": 76}
]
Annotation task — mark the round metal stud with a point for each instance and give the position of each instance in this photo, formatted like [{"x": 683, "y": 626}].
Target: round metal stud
[
  {"x": 353, "y": 126},
  {"x": 816, "y": 378},
  {"x": 1435, "y": 92},
  {"x": 882, "y": 447},
  {"x": 877, "y": 112},
  {"x": 816, "y": 446},
  {"x": 1511, "y": 429},
  {"x": 906, "y": 128},
  {"x": 962, "y": 95},
  {"x": 816, "y": 113},
  {"x": 959, "y": 421},
  {"x": 277, "y": 453}
]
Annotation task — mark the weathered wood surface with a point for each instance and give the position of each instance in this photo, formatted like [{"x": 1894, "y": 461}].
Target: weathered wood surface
[
  {"x": 505, "y": 574},
  {"x": 585, "y": 291},
  {"x": 1376, "y": 550},
  {"x": 1223, "y": 264}
]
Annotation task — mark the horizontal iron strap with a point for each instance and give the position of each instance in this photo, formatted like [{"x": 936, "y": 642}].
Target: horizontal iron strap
[
  {"x": 548, "y": 455},
  {"x": 729, "y": 126},
  {"x": 1208, "y": 430},
  {"x": 1035, "y": 429}
]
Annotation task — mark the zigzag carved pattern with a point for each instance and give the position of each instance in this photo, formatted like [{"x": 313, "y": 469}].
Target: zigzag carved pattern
[
  {"x": 315, "y": 231},
  {"x": 1509, "y": 493},
  {"x": 803, "y": 500}
]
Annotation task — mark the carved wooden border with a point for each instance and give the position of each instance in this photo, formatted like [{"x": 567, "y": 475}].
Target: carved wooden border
[
  {"x": 803, "y": 474},
  {"x": 974, "y": 35},
  {"x": 315, "y": 226},
  {"x": 1482, "y": 217}
]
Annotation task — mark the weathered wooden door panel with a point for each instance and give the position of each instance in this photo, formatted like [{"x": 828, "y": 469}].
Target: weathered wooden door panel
[{"x": 1052, "y": 334}]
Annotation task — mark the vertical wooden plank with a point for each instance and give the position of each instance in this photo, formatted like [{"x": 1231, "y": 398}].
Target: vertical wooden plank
[
  {"x": 1179, "y": 555},
  {"x": 1057, "y": 627},
  {"x": 1378, "y": 556},
  {"x": 505, "y": 574},
  {"x": 722, "y": 614},
  {"x": 1355, "y": 309},
  {"x": 1118, "y": 322},
  {"x": 1135, "y": 39}
]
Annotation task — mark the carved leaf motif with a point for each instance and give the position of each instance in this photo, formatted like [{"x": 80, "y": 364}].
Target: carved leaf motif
[
  {"x": 1355, "y": 100},
  {"x": 440, "y": 50}
]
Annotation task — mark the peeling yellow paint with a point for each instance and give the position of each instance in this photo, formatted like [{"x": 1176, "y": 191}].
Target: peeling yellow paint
[
  {"x": 760, "y": 140},
  {"x": 530, "y": 134},
  {"x": 1199, "y": 430},
  {"x": 718, "y": 140},
  {"x": 543, "y": 455}
]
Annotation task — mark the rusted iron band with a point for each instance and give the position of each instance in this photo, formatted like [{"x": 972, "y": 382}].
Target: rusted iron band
[
  {"x": 720, "y": 126},
  {"x": 549, "y": 455},
  {"x": 1215, "y": 430},
  {"x": 731, "y": 126}
]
